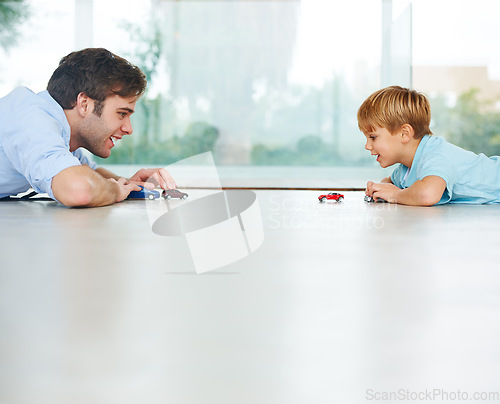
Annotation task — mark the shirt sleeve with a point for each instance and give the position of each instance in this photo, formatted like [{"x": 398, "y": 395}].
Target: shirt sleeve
[
  {"x": 396, "y": 176},
  {"x": 441, "y": 166},
  {"x": 80, "y": 155},
  {"x": 38, "y": 150}
]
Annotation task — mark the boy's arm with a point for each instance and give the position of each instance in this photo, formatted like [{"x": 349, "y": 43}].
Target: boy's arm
[{"x": 425, "y": 192}]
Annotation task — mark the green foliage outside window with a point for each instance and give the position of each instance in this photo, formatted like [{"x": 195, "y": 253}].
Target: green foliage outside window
[
  {"x": 12, "y": 14},
  {"x": 471, "y": 123},
  {"x": 199, "y": 137},
  {"x": 284, "y": 125}
]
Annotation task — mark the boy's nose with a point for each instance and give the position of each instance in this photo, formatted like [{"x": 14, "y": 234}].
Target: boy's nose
[{"x": 368, "y": 146}]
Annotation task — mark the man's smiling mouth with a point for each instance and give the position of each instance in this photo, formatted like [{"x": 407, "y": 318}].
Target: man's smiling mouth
[{"x": 114, "y": 140}]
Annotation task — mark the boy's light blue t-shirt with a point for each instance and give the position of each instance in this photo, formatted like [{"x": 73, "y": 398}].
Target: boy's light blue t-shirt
[
  {"x": 470, "y": 178},
  {"x": 34, "y": 142}
]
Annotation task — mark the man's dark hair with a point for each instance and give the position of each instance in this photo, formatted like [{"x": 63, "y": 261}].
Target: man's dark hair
[{"x": 98, "y": 73}]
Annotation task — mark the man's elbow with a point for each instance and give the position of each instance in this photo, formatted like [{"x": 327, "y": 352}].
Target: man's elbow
[{"x": 77, "y": 193}]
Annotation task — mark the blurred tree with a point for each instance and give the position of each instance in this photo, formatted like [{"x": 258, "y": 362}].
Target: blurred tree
[
  {"x": 12, "y": 14},
  {"x": 309, "y": 144},
  {"x": 223, "y": 54},
  {"x": 203, "y": 62},
  {"x": 471, "y": 123},
  {"x": 199, "y": 137},
  {"x": 309, "y": 150},
  {"x": 146, "y": 45}
]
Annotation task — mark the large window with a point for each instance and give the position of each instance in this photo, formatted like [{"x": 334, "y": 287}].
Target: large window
[
  {"x": 457, "y": 64},
  {"x": 266, "y": 83},
  {"x": 271, "y": 88}
]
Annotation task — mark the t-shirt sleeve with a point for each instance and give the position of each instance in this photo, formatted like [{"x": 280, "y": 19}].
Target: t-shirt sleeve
[
  {"x": 397, "y": 175},
  {"x": 38, "y": 151},
  {"x": 441, "y": 166}
]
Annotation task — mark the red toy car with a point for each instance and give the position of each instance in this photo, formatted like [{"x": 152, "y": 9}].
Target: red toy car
[{"x": 331, "y": 196}]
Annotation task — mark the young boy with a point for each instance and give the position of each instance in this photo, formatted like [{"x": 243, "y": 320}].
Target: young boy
[{"x": 431, "y": 171}]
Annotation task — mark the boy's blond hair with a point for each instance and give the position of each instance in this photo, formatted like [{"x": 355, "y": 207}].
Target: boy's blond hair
[{"x": 394, "y": 106}]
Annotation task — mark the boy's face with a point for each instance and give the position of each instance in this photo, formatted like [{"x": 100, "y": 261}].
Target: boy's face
[{"x": 387, "y": 147}]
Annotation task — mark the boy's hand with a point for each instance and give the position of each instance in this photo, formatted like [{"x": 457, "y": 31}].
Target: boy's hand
[
  {"x": 385, "y": 191},
  {"x": 425, "y": 192}
]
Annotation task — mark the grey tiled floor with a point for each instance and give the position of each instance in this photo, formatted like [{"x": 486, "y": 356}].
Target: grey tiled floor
[{"x": 340, "y": 304}]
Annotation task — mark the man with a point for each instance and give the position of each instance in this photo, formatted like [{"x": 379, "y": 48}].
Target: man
[{"x": 88, "y": 103}]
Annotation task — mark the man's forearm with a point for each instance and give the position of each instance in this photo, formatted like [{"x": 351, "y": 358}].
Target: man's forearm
[
  {"x": 102, "y": 192},
  {"x": 106, "y": 173},
  {"x": 82, "y": 186}
]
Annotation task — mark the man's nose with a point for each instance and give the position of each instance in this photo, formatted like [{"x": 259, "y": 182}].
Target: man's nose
[{"x": 127, "y": 127}]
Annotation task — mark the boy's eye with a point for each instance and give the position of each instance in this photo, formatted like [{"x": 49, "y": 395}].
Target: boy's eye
[{"x": 123, "y": 114}]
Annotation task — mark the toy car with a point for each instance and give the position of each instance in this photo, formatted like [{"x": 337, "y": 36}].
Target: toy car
[
  {"x": 370, "y": 199},
  {"x": 144, "y": 193},
  {"x": 331, "y": 196},
  {"x": 174, "y": 193}
]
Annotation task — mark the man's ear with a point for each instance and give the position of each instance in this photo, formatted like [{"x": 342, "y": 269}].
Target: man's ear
[
  {"x": 84, "y": 104},
  {"x": 407, "y": 132}
]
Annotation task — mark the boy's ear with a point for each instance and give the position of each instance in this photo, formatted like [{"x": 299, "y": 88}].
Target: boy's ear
[{"x": 407, "y": 132}]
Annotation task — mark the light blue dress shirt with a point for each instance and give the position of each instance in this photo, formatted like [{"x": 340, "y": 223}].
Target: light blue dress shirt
[
  {"x": 34, "y": 142},
  {"x": 470, "y": 178}
]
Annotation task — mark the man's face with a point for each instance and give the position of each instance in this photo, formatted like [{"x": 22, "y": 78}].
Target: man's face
[
  {"x": 98, "y": 134},
  {"x": 387, "y": 147}
]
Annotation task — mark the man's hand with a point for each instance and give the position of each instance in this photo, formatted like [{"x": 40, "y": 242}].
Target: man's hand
[
  {"x": 124, "y": 188},
  {"x": 152, "y": 177}
]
